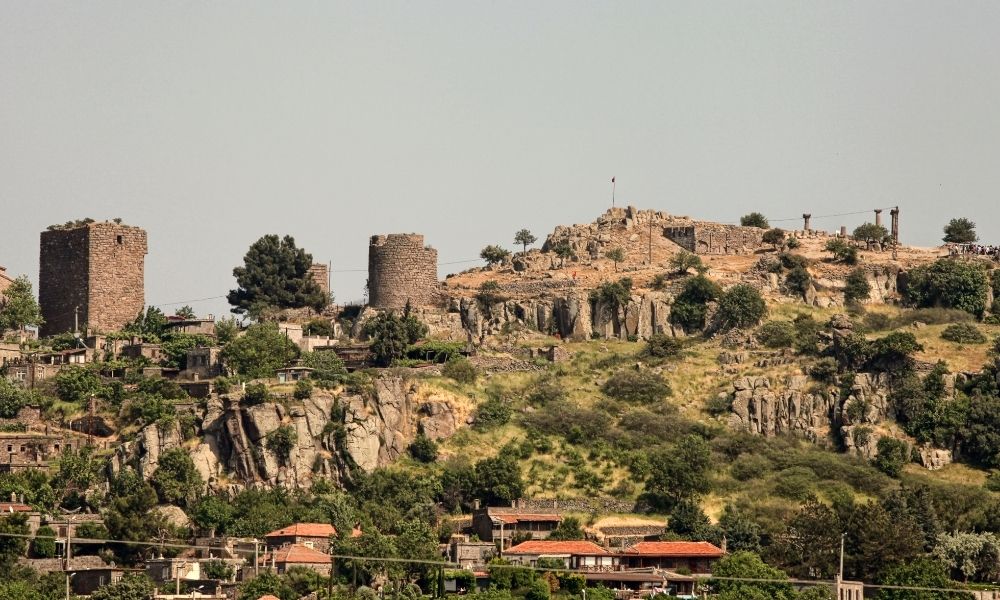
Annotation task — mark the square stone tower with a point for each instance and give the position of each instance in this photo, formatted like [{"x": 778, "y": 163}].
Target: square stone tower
[{"x": 95, "y": 269}]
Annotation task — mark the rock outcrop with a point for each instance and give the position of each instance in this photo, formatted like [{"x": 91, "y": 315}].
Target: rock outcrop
[{"x": 334, "y": 433}]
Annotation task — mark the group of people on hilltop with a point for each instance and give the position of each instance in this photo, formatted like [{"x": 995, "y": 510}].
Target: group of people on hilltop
[{"x": 987, "y": 250}]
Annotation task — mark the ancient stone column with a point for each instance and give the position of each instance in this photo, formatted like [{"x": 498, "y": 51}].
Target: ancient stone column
[
  {"x": 805, "y": 222},
  {"x": 843, "y": 231},
  {"x": 878, "y": 216},
  {"x": 894, "y": 213}
]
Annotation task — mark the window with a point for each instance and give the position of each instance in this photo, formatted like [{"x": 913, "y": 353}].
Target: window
[
  {"x": 120, "y": 240},
  {"x": 309, "y": 544}
]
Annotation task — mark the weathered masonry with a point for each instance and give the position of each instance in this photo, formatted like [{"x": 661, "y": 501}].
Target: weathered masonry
[
  {"x": 91, "y": 273},
  {"x": 715, "y": 238},
  {"x": 401, "y": 269}
]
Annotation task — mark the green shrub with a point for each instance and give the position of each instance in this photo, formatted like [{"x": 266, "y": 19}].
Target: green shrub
[
  {"x": 256, "y": 393},
  {"x": 303, "y": 389},
  {"x": 856, "y": 287},
  {"x": 948, "y": 284},
  {"x": 545, "y": 389},
  {"x": 689, "y": 307},
  {"x": 777, "y": 334},
  {"x": 489, "y": 294},
  {"x": 754, "y": 219},
  {"x": 644, "y": 387},
  {"x": 719, "y": 405},
  {"x": 842, "y": 251},
  {"x": 749, "y": 466},
  {"x": 424, "y": 449},
  {"x": 874, "y": 321},
  {"x": 932, "y": 316},
  {"x": 495, "y": 412},
  {"x": 795, "y": 483},
  {"x": 893, "y": 454},
  {"x": 741, "y": 306},
  {"x": 824, "y": 370},
  {"x": 44, "y": 543},
  {"x": 460, "y": 370},
  {"x": 281, "y": 441},
  {"x": 807, "y": 330},
  {"x": 792, "y": 243},
  {"x": 660, "y": 345},
  {"x": 798, "y": 280},
  {"x": 963, "y": 333}
]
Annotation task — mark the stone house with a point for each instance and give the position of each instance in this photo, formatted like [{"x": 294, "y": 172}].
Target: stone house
[
  {"x": 574, "y": 554},
  {"x": 696, "y": 557},
  {"x": 165, "y": 570},
  {"x": 28, "y": 450},
  {"x": 196, "y": 326},
  {"x": 137, "y": 349},
  {"x": 493, "y": 523},
  {"x": 464, "y": 552},
  {"x": 308, "y": 535},
  {"x": 87, "y": 581},
  {"x": 297, "y": 555},
  {"x": 293, "y": 373},
  {"x": 9, "y": 352},
  {"x": 226, "y": 547},
  {"x": 29, "y": 373},
  {"x": 203, "y": 362}
]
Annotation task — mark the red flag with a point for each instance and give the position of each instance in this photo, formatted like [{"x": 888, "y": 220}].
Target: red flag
[{"x": 612, "y": 180}]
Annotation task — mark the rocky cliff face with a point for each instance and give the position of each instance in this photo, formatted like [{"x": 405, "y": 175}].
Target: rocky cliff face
[
  {"x": 334, "y": 434},
  {"x": 572, "y": 315}
]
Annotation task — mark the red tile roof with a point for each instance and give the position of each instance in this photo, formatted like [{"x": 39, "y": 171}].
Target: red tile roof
[
  {"x": 305, "y": 530},
  {"x": 14, "y": 507},
  {"x": 675, "y": 549},
  {"x": 578, "y": 547},
  {"x": 510, "y": 519},
  {"x": 297, "y": 554}
]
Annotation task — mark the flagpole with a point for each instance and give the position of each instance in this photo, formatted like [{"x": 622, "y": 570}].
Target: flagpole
[{"x": 612, "y": 192}]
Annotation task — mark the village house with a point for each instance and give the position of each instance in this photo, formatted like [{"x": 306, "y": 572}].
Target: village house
[
  {"x": 225, "y": 547},
  {"x": 297, "y": 555},
  {"x": 575, "y": 554},
  {"x": 9, "y": 352},
  {"x": 293, "y": 373},
  {"x": 188, "y": 570},
  {"x": 310, "y": 535},
  {"x": 194, "y": 326},
  {"x": 463, "y": 551},
  {"x": 29, "y": 450},
  {"x": 695, "y": 557},
  {"x": 493, "y": 524},
  {"x": 138, "y": 349},
  {"x": 203, "y": 362}
]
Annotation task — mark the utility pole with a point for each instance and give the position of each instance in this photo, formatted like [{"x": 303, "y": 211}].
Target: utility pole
[
  {"x": 76, "y": 320},
  {"x": 840, "y": 571},
  {"x": 69, "y": 551},
  {"x": 256, "y": 563}
]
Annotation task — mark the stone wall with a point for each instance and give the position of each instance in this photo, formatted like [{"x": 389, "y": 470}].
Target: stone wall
[
  {"x": 320, "y": 273},
  {"x": 98, "y": 268},
  {"x": 702, "y": 237},
  {"x": 401, "y": 269}
]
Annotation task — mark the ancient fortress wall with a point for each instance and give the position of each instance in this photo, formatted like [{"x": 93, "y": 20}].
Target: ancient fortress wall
[
  {"x": 703, "y": 237},
  {"x": 401, "y": 269},
  {"x": 98, "y": 268},
  {"x": 320, "y": 273}
]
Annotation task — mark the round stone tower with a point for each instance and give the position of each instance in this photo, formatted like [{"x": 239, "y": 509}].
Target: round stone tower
[{"x": 401, "y": 269}]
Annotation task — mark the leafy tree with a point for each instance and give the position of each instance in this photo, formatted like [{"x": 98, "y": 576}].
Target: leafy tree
[
  {"x": 877, "y": 539},
  {"x": 12, "y": 398},
  {"x": 176, "y": 347},
  {"x": 960, "y": 231},
  {"x": 856, "y": 287},
  {"x": 568, "y": 529},
  {"x": 226, "y": 330},
  {"x": 318, "y": 326},
  {"x": 615, "y": 255},
  {"x": 690, "y": 306},
  {"x": 678, "y": 473},
  {"x": 981, "y": 429},
  {"x": 416, "y": 541},
  {"x": 149, "y": 325},
  {"x": 489, "y": 294},
  {"x": 842, "y": 251},
  {"x": 77, "y": 471},
  {"x": 176, "y": 479},
  {"x": 754, "y": 219},
  {"x": 920, "y": 572},
  {"x": 741, "y": 306},
  {"x": 775, "y": 237},
  {"x": 525, "y": 238},
  {"x": 261, "y": 351},
  {"x": 130, "y": 587},
  {"x": 948, "y": 284},
  {"x": 777, "y": 334},
  {"x": 563, "y": 250},
  {"x": 893, "y": 454},
  {"x": 969, "y": 555},
  {"x": 130, "y": 514},
  {"x": 498, "y": 480},
  {"x": 870, "y": 233},
  {"x": 326, "y": 365},
  {"x": 684, "y": 261},
  {"x": 798, "y": 280},
  {"x": 493, "y": 413},
  {"x": 747, "y": 565},
  {"x": 18, "y": 307},
  {"x": 282, "y": 441},
  {"x": 12, "y": 548},
  {"x": 613, "y": 294},
  {"x": 76, "y": 384},
  {"x": 218, "y": 570},
  {"x": 212, "y": 514},
  {"x": 266, "y": 583},
  {"x": 44, "y": 543},
  {"x": 963, "y": 333},
  {"x": 391, "y": 334},
  {"x": 185, "y": 312},
  {"x": 494, "y": 255},
  {"x": 688, "y": 520},
  {"x": 423, "y": 448},
  {"x": 275, "y": 275},
  {"x": 741, "y": 531}
]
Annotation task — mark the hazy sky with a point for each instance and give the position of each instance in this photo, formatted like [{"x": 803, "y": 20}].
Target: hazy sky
[{"x": 213, "y": 123}]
